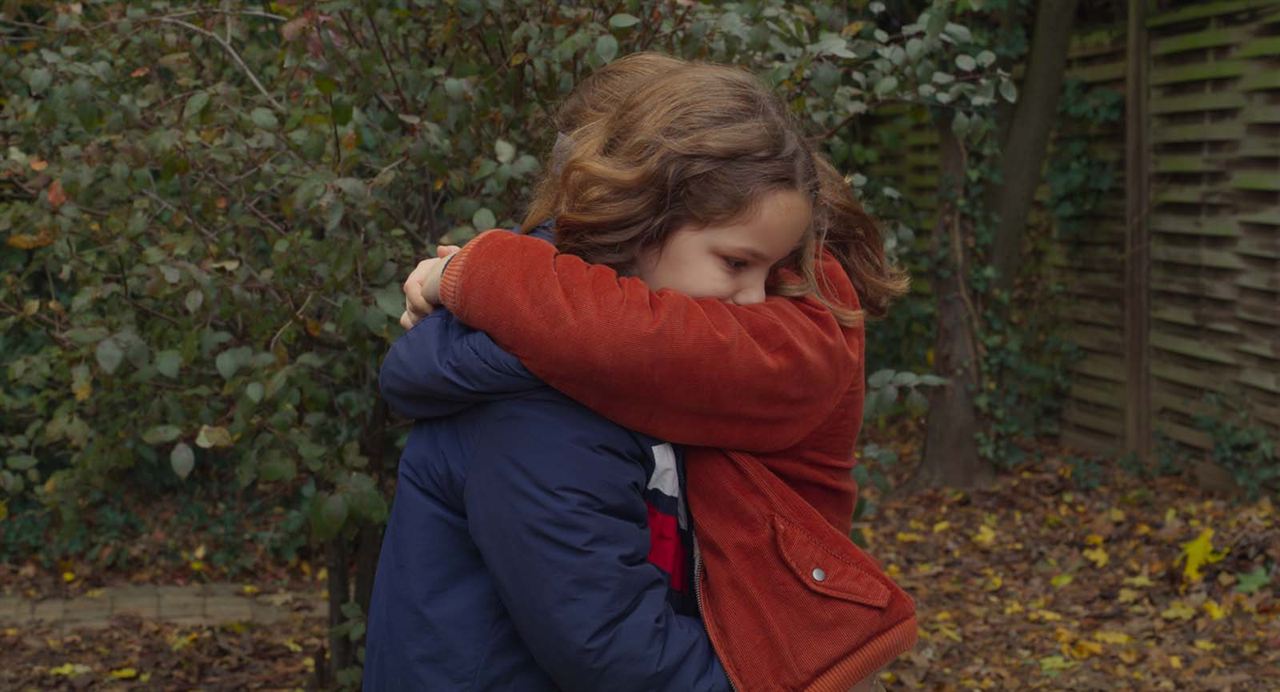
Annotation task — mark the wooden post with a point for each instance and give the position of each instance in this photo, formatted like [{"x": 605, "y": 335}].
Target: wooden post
[{"x": 1137, "y": 258}]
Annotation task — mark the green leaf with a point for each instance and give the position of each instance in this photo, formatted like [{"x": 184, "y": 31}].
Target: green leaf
[
  {"x": 87, "y": 335},
  {"x": 277, "y": 467},
  {"x": 986, "y": 58},
  {"x": 39, "y": 79},
  {"x": 1250, "y": 582},
  {"x": 886, "y": 85},
  {"x": 329, "y": 516},
  {"x": 193, "y": 300},
  {"x": 905, "y": 378},
  {"x": 254, "y": 391},
  {"x": 227, "y": 364},
  {"x": 1009, "y": 90},
  {"x": 959, "y": 32},
  {"x": 21, "y": 462},
  {"x": 195, "y": 105},
  {"x": 342, "y": 111},
  {"x": 623, "y": 20},
  {"x": 966, "y": 62},
  {"x": 483, "y": 219},
  {"x": 168, "y": 363},
  {"x": 182, "y": 460},
  {"x": 264, "y": 118},
  {"x": 161, "y": 434},
  {"x": 880, "y": 378},
  {"x": 504, "y": 150},
  {"x": 390, "y": 300},
  {"x": 109, "y": 355},
  {"x": 455, "y": 88},
  {"x": 607, "y": 47}
]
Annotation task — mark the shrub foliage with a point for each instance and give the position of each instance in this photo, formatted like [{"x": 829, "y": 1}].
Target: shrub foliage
[{"x": 206, "y": 210}]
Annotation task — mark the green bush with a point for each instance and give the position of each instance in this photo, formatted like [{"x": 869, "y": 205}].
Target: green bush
[{"x": 207, "y": 211}]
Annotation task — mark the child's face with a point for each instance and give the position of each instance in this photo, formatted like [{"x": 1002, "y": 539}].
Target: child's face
[{"x": 730, "y": 261}]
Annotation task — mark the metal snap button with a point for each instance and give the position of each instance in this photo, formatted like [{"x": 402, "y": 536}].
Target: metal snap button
[{"x": 819, "y": 574}]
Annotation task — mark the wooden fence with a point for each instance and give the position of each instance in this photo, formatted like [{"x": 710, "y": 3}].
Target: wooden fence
[{"x": 1174, "y": 285}]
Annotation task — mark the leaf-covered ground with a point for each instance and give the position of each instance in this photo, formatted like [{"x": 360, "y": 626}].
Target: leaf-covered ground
[
  {"x": 1033, "y": 583},
  {"x": 136, "y": 654}
]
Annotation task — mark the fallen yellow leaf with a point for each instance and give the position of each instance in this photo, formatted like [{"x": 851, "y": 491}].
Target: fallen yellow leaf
[
  {"x": 1083, "y": 649},
  {"x": 1205, "y": 645},
  {"x": 123, "y": 674},
  {"x": 1061, "y": 580},
  {"x": 941, "y": 526},
  {"x": 70, "y": 670},
  {"x": 1098, "y": 556},
  {"x": 1112, "y": 637},
  {"x": 1129, "y": 595},
  {"x": 1141, "y": 580},
  {"x": 1178, "y": 611},
  {"x": 1214, "y": 610},
  {"x": 909, "y": 537},
  {"x": 985, "y": 537},
  {"x": 68, "y": 577},
  {"x": 1198, "y": 553},
  {"x": 1176, "y": 662}
]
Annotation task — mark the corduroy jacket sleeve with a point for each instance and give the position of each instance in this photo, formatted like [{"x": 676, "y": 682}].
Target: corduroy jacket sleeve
[
  {"x": 554, "y": 506},
  {"x": 693, "y": 371}
]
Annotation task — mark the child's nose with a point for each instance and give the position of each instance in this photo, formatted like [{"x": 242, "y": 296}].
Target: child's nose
[{"x": 749, "y": 295}]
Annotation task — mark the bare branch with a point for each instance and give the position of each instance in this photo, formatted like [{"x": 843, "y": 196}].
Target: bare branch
[{"x": 231, "y": 50}]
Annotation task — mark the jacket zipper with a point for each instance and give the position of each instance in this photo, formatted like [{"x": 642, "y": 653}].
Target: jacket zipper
[{"x": 697, "y": 596}]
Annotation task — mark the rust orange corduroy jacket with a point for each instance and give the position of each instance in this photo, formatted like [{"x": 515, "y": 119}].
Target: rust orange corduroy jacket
[{"x": 789, "y": 601}]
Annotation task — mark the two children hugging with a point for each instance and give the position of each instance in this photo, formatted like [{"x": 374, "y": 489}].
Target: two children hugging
[{"x": 703, "y": 301}]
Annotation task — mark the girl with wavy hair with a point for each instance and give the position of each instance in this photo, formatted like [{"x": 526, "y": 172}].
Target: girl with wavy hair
[{"x": 707, "y": 287}]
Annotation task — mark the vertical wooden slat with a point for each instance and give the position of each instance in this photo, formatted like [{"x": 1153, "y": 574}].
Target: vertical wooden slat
[{"x": 1137, "y": 272}]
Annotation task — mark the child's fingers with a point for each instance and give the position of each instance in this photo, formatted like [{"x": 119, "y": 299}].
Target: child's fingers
[
  {"x": 446, "y": 250},
  {"x": 416, "y": 303},
  {"x": 409, "y": 319},
  {"x": 413, "y": 284}
]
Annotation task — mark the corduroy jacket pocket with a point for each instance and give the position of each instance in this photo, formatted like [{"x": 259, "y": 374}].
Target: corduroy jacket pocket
[{"x": 827, "y": 569}]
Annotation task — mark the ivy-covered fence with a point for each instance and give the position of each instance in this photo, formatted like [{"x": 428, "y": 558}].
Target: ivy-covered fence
[{"x": 1210, "y": 231}]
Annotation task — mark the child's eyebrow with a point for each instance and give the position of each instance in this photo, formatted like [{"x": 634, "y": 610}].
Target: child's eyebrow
[{"x": 754, "y": 254}]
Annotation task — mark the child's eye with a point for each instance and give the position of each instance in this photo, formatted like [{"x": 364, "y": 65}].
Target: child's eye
[{"x": 735, "y": 264}]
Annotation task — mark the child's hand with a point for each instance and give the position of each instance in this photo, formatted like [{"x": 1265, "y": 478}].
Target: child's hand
[{"x": 422, "y": 288}]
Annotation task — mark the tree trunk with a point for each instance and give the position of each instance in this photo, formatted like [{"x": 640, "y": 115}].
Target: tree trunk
[
  {"x": 373, "y": 444},
  {"x": 340, "y": 651},
  {"x": 1028, "y": 137},
  {"x": 951, "y": 446}
]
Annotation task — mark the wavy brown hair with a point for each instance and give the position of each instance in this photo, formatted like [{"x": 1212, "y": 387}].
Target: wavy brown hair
[{"x": 651, "y": 144}]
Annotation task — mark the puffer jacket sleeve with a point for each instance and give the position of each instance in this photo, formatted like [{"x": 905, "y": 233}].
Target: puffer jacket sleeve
[
  {"x": 441, "y": 366},
  {"x": 700, "y": 372},
  {"x": 556, "y": 512}
]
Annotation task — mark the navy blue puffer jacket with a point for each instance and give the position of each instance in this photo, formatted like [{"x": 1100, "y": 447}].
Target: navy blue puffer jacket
[{"x": 518, "y": 551}]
